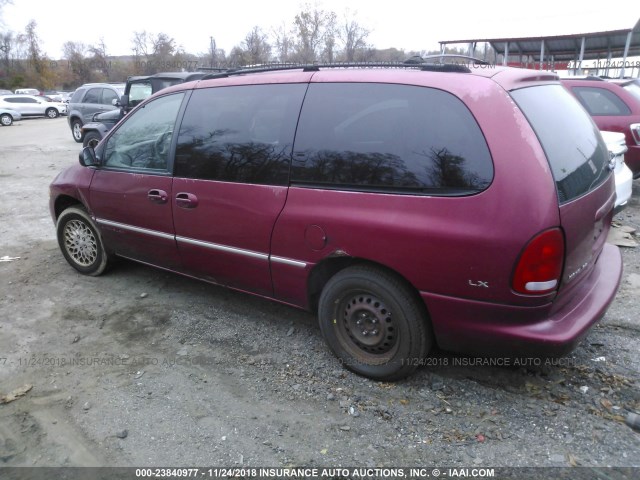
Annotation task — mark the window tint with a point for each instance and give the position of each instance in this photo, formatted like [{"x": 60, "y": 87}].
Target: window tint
[
  {"x": 239, "y": 134},
  {"x": 144, "y": 140},
  {"x": 92, "y": 96},
  {"x": 381, "y": 137},
  {"x": 575, "y": 150},
  {"x": 599, "y": 101},
  {"x": 108, "y": 96},
  {"x": 21, "y": 100},
  {"x": 75, "y": 98}
]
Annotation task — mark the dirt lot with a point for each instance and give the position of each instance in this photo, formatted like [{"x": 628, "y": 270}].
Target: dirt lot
[{"x": 140, "y": 367}]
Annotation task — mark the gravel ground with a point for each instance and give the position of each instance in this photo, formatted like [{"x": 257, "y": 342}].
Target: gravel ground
[{"x": 141, "y": 367}]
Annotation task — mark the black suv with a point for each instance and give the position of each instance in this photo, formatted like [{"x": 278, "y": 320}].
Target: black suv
[
  {"x": 89, "y": 99},
  {"x": 136, "y": 90}
]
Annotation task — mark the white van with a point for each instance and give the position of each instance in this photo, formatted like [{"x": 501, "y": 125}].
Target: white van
[{"x": 27, "y": 91}]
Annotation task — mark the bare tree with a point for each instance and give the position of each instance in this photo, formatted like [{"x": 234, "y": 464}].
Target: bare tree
[
  {"x": 312, "y": 27},
  {"x": 99, "y": 60},
  {"x": 257, "y": 47},
  {"x": 154, "y": 52},
  {"x": 37, "y": 59},
  {"x": 7, "y": 41},
  {"x": 353, "y": 38},
  {"x": 75, "y": 53},
  {"x": 283, "y": 42},
  {"x": 164, "y": 47},
  {"x": 141, "y": 44}
]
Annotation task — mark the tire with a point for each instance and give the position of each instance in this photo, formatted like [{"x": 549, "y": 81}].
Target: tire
[
  {"x": 52, "y": 113},
  {"x": 76, "y": 130},
  {"x": 91, "y": 139},
  {"x": 80, "y": 242},
  {"x": 375, "y": 324},
  {"x": 6, "y": 119}
]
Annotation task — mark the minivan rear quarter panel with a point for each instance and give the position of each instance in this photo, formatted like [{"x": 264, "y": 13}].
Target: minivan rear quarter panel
[{"x": 448, "y": 246}]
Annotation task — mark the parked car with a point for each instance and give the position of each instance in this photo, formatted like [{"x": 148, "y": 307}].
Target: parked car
[
  {"x": 32, "y": 106},
  {"x": 631, "y": 85},
  {"x": 53, "y": 95},
  {"x": 8, "y": 116},
  {"x": 409, "y": 207},
  {"x": 27, "y": 91},
  {"x": 89, "y": 99},
  {"x": 66, "y": 96},
  {"x": 6, "y": 92},
  {"x": 617, "y": 146},
  {"x": 614, "y": 109},
  {"x": 137, "y": 89}
]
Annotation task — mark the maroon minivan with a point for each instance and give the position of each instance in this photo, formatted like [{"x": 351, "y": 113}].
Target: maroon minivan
[
  {"x": 465, "y": 207},
  {"x": 614, "y": 108}
]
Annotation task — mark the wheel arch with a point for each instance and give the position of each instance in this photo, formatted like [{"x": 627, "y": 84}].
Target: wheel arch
[
  {"x": 65, "y": 201},
  {"x": 330, "y": 266}
]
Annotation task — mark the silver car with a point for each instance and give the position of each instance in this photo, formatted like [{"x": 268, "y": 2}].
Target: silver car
[
  {"x": 32, "y": 106},
  {"x": 8, "y": 116}
]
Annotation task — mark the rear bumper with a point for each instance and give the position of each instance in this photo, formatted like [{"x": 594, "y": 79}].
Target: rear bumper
[{"x": 487, "y": 329}]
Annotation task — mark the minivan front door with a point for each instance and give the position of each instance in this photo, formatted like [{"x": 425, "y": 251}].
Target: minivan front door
[
  {"x": 231, "y": 175},
  {"x": 130, "y": 193}
]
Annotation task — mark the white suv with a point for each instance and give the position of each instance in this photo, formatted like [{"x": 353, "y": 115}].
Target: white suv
[{"x": 32, "y": 106}]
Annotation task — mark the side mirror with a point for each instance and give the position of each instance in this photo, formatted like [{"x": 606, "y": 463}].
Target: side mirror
[
  {"x": 124, "y": 101},
  {"x": 88, "y": 157}
]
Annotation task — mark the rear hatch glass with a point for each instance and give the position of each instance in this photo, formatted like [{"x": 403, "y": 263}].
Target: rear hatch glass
[
  {"x": 575, "y": 150},
  {"x": 579, "y": 163}
]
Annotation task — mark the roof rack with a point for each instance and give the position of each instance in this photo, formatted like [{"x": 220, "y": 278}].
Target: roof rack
[{"x": 416, "y": 62}]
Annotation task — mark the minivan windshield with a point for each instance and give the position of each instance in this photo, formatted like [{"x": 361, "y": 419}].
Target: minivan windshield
[{"x": 572, "y": 143}]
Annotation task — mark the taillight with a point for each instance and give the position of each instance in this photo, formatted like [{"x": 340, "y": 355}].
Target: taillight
[
  {"x": 635, "y": 131},
  {"x": 539, "y": 268}
]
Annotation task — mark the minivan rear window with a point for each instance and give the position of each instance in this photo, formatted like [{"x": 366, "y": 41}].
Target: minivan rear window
[
  {"x": 386, "y": 137},
  {"x": 574, "y": 148}
]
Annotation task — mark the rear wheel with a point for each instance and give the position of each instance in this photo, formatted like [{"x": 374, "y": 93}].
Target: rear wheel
[
  {"x": 52, "y": 113},
  {"x": 6, "y": 119},
  {"x": 374, "y": 323},
  {"x": 80, "y": 242},
  {"x": 91, "y": 139},
  {"x": 76, "y": 130}
]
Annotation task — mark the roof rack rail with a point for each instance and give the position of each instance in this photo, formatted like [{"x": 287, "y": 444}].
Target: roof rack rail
[
  {"x": 417, "y": 63},
  {"x": 444, "y": 56}
]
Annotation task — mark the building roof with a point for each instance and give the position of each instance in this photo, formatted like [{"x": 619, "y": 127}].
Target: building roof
[{"x": 597, "y": 45}]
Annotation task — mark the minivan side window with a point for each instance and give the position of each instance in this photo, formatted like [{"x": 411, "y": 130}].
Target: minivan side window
[
  {"x": 384, "y": 137},
  {"x": 599, "y": 101},
  {"x": 239, "y": 134},
  {"x": 143, "y": 142}
]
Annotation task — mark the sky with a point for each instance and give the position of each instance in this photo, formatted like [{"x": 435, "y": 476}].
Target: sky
[{"x": 403, "y": 24}]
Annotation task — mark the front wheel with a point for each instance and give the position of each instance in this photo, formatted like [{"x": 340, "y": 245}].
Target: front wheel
[
  {"x": 76, "y": 130},
  {"x": 52, "y": 113},
  {"x": 80, "y": 242},
  {"x": 6, "y": 119},
  {"x": 374, "y": 323}
]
